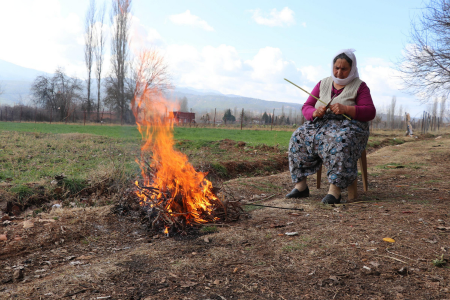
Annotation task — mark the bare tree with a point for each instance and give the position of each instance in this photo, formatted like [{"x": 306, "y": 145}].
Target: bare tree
[
  {"x": 99, "y": 54},
  {"x": 57, "y": 93},
  {"x": 442, "y": 108},
  {"x": 184, "y": 105},
  {"x": 120, "y": 18},
  {"x": 150, "y": 72},
  {"x": 425, "y": 65},
  {"x": 434, "y": 107},
  {"x": 89, "y": 45},
  {"x": 377, "y": 120},
  {"x": 391, "y": 112}
]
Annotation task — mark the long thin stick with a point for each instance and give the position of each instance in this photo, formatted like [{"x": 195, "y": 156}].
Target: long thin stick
[
  {"x": 250, "y": 204},
  {"x": 313, "y": 96}
]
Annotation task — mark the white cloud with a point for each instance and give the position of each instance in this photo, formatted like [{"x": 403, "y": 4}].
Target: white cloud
[
  {"x": 40, "y": 37},
  {"x": 269, "y": 65},
  {"x": 143, "y": 37},
  {"x": 284, "y": 17},
  {"x": 384, "y": 82},
  {"x": 222, "y": 69},
  {"x": 187, "y": 18},
  {"x": 313, "y": 73}
]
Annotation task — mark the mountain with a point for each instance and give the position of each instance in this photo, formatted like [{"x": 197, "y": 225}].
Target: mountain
[
  {"x": 15, "y": 82},
  {"x": 206, "y": 100},
  {"x": 10, "y": 71}
]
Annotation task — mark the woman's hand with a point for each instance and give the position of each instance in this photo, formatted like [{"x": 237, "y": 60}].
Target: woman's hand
[
  {"x": 319, "y": 112},
  {"x": 339, "y": 108}
]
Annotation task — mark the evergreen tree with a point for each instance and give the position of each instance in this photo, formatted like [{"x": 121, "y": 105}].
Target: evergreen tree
[
  {"x": 228, "y": 116},
  {"x": 265, "y": 118}
]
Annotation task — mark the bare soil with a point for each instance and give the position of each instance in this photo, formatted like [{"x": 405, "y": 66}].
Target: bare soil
[{"x": 338, "y": 252}]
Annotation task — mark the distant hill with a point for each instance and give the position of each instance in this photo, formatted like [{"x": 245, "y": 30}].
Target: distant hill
[
  {"x": 207, "y": 100},
  {"x": 16, "y": 82}
]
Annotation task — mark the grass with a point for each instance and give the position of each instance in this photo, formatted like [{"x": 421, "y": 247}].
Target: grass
[
  {"x": 32, "y": 154},
  {"x": 209, "y": 229},
  {"x": 294, "y": 247},
  {"x": 195, "y": 135}
]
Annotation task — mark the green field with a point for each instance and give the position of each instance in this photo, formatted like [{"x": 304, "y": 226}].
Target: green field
[
  {"x": 32, "y": 155},
  {"x": 252, "y": 137}
]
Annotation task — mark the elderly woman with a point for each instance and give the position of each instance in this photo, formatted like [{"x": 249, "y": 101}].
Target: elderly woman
[{"x": 332, "y": 139}]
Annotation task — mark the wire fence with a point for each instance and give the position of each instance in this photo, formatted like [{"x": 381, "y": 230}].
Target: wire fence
[{"x": 268, "y": 121}]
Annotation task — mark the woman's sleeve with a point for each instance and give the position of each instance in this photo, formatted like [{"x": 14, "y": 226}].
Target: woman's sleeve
[
  {"x": 365, "y": 110},
  {"x": 309, "y": 107}
]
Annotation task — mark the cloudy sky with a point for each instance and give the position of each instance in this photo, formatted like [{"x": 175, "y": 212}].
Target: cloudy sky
[{"x": 235, "y": 47}]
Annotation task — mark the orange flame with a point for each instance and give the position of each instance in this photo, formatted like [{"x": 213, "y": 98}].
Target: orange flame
[{"x": 173, "y": 177}]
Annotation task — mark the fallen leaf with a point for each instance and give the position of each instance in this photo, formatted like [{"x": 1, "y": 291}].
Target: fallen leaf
[
  {"x": 389, "y": 240},
  {"x": 85, "y": 257},
  {"x": 442, "y": 228},
  {"x": 188, "y": 284},
  {"x": 294, "y": 214},
  {"x": 375, "y": 264},
  {"x": 17, "y": 238},
  {"x": 3, "y": 237},
  {"x": 46, "y": 220},
  {"x": 291, "y": 233},
  {"x": 216, "y": 282},
  {"x": 235, "y": 270},
  {"x": 28, "y": 224}
]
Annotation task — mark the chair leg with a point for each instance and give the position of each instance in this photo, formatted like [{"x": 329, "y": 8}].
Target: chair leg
[
  {"x": 353, "y": 190},
  {"x": 319, "y": 177},
  {"x": 363, "y": 166}
]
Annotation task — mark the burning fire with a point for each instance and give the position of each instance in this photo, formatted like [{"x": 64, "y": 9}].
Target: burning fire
[{"x": 170, "y": 182}]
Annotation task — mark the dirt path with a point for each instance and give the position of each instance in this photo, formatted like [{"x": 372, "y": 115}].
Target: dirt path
[{"x": 339, "y": 252}]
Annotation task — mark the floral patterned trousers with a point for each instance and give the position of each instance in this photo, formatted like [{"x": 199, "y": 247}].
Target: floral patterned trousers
[{"x": 333, "y": 140}]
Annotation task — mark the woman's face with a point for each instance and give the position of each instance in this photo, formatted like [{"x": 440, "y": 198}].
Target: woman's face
[{"x": 341, "y": 68}]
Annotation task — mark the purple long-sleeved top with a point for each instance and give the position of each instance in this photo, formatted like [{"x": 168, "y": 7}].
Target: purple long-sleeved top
[{"x": 365, "y": 110}]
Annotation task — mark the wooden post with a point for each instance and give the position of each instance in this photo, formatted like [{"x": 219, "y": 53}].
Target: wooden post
[
  {"x": 214, "y": 124},
  {"x": 101, "y": 120},
  {"x": 73, "y": 115},
  {"x": 35, "y": 113},
  {"x": 319, "y": 177},
  {"x": 51, "y": 116},
  {"x": 273, "y": 117},
  {"x": 20, "y": 118},
  {"x": 84, "y": 118},
  {"x": 242, "y": 117}
]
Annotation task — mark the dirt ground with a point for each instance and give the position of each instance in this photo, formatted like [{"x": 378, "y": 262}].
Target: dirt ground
[{"x": 335, "y": 252}]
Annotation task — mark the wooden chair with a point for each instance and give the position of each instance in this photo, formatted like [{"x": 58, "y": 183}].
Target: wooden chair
[{"x": 352, "y": 189}]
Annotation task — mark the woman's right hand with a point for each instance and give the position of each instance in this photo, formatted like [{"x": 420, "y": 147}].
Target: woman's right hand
[{"x": 319, "y": 112}]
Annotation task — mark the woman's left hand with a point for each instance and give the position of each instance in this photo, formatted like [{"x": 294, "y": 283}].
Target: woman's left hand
[{"x": 338, "y": 108}]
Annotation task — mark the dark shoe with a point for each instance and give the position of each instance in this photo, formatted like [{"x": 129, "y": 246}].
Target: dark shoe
[
  {"x": 297, "y": 194},
  {"x": 330, "y": 199}
]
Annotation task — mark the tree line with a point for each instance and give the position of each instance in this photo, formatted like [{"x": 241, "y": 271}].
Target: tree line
[{"x": 66, "y": 94}]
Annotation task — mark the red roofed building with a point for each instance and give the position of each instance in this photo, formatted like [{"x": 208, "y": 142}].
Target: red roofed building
[{"x": 183, "y": 117}]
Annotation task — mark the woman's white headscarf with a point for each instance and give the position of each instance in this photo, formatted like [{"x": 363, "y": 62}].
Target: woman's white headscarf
[{"x": 353, "y": 73}]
